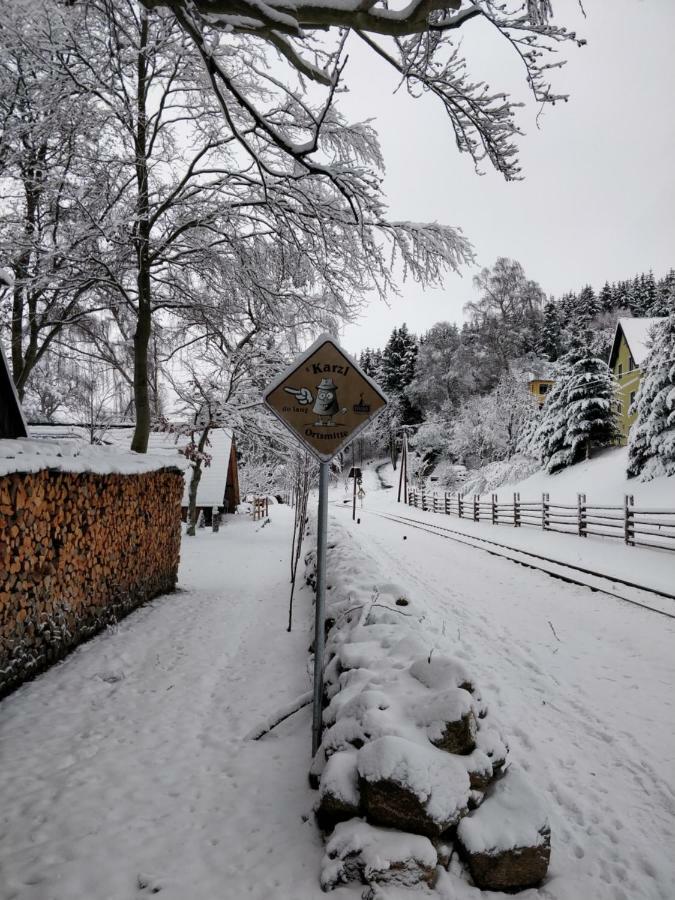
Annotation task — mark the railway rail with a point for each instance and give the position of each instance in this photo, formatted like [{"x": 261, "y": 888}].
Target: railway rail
[{"x": 660, "y": 602}]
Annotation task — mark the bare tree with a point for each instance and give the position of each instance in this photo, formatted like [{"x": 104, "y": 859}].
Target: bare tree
[
  {"x": 50, "y": 195},
  {"x": 188, "y": 195},
  {"x": 420, "y": 41}
]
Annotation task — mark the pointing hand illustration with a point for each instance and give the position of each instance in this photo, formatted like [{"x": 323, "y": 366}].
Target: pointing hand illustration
[{"x": 303, "y": 395}]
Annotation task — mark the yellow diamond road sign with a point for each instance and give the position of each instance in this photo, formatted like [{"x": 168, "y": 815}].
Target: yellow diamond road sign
[{"x": 325, "y": 399}]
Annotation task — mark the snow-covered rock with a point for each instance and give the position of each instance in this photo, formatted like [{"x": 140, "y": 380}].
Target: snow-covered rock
[
  {"x": 410, "y": 786},
  {"x": 357, "y": 851},
  {"x": 339, "y": 798},
  {"x": 507, "y": 841},
  {"x": 449, "y": 720}
]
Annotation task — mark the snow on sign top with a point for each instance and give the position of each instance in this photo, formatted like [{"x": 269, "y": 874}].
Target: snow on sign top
[{"x": 324, "y": 399}]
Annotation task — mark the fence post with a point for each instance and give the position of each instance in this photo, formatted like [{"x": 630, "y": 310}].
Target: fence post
[
  {"x": 545, "y": 512},
  {"x": 460, "y": 505},
  {"x": 516, "y": 510},
  {"x": 494, "y": 509},
  {"x": 581, "y": 515},
  {"x": 476, "y": 507},
  {"x": 446, "y": 505},
  {"x": 628, "y": 519},
  {"x": 424, "y": 500}
]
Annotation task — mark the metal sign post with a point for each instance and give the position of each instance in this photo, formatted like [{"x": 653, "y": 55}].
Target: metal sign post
[
  {"x": 325, "y": 400},
  {"x": 320, "y": 613}
]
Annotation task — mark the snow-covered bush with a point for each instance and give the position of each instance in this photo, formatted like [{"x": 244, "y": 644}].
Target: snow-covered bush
[{"x": 651, "y": 441}]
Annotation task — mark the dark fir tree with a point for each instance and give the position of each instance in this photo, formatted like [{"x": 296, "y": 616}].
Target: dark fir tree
[
  {"x": 664, "y": 301},
  {"x": 548, "y": 344},
  {"x": 588, "y": 306},
  {"x": 606, "y": 298},
  {"x": 398, "y": 370}
]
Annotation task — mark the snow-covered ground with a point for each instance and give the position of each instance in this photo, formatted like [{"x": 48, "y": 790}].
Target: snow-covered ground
[
  {"x": 124, "y": 769},
  {"x": 602, "y": 478},
  {"x": 126, "y": 766},
  {"x": 606, "y": 555}
]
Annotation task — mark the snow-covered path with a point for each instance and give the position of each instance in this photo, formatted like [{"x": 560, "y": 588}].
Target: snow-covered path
[{"x": 123, "y": 769}]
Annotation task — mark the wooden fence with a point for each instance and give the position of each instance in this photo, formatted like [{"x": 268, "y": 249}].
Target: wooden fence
[
  {"x": 634, "y": 525},
  {"x": 260, "y": 508}
]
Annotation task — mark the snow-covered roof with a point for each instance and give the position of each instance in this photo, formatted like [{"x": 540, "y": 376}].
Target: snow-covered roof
[
  {"x": 211, "y": 491},
  {"x": 163, "y": 447},
  {"x": 637, "y": 333}
]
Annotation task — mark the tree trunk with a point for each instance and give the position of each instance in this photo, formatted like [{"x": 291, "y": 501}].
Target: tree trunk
[
  {"x": 141, "y": 391},
  {"x": 22, "y": 284},
  {"x": 142, "y": 241},
  {"x": 194, "y": 484}
]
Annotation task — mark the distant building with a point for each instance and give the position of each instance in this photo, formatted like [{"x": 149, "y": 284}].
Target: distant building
[
  {"x": 539, "y": 386},
  {"x": 219, "y": 484},
  {"x": 629, "y": 350}
]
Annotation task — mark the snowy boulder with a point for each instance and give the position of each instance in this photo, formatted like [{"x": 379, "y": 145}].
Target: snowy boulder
[
  {"x": 480, "y": 770},
  {"x": 365, "y": 717},
  {"x": 437, "y": 672},
  {"x": 357, "y": 851},
  {"x": 339, "y": 798},
  {"x": 449, "y": 720},
  {"x": 412, "y": 786},
  {"x": 490, "y": 742},
  {"x": 507, "y": 841}
]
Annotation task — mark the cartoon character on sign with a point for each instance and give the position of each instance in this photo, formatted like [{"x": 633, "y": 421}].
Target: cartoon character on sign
[{"x": 326, "y": 404}]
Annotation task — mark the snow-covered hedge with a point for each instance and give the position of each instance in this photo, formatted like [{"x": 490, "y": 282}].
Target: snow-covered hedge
[{"x": 409, "y": 750}]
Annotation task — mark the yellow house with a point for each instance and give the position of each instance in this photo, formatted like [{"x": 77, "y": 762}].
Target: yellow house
[
  {"x": 539, "y": 387},
  {"x": 629, "y": 350}
]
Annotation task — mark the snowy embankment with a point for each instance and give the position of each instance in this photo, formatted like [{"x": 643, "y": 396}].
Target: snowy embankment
[
  {"x": 409, "y": 744},
  {"x": 603, "y": 479},
  {"x": 652, "y": 568}
]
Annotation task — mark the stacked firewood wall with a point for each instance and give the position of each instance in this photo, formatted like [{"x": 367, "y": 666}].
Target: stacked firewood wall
[{"x": 77, "y": 552}]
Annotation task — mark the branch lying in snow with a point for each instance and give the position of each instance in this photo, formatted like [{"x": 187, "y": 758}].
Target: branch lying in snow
[
  {"x": 277, "y": 718},
  {"x": 554, "y": 631}
]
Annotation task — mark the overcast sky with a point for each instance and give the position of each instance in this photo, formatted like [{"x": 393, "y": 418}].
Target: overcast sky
[{"x": 598, "y": 195}]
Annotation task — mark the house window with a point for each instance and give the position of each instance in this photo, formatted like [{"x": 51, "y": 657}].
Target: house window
[
  {"x": 619, "y": 370},
  {"x": 632, "y": 397},
  {"x": 543, "y": 388},
  {"x": 631, "y": 363}
]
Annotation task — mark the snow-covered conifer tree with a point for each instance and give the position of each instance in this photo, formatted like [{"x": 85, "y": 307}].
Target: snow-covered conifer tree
[
  {"x": 549, "y": 335},
  {"x": 664, "y": 301},
  {"x": 651, "y": 442},
  {"x": 580, "y": 412},
  {"x": 591, "y": 408}
]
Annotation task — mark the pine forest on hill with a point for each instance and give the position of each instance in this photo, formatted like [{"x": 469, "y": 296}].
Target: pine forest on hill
[{"x": 462, "y": 392}]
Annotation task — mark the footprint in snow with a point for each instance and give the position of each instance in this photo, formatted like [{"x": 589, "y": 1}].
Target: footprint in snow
[{"x": 149, "y": 883}]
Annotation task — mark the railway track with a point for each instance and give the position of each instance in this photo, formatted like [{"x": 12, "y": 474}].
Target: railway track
[{"x": 660, "y": 602}]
